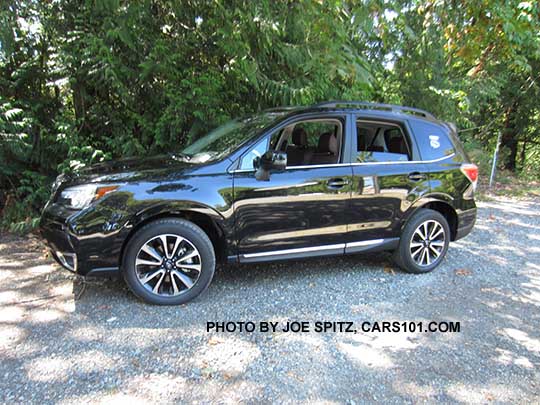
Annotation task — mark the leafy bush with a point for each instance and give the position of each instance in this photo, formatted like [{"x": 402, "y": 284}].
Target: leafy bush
[{"x": 23, "y": 205}]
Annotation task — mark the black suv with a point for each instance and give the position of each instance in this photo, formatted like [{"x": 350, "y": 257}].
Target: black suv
[{"x": 330, "y": 179}]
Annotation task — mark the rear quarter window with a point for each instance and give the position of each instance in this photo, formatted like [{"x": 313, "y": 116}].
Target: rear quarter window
[{"x": 433, "y": 140}]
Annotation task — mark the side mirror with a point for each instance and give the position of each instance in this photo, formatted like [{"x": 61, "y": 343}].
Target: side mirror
[{"x": 271, "y": 160}]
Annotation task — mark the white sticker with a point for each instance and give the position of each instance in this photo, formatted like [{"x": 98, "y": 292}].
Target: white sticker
[{"x": 434, "y": 141}]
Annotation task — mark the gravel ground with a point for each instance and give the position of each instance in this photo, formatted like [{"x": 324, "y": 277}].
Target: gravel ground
[{"x": 58, "y": 345}]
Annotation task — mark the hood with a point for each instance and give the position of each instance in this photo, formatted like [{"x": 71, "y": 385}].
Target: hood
[{"x": 131, "y": 168}]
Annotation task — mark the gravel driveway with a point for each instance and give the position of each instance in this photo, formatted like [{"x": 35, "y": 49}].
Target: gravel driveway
[{"x": 59, "y": 344}]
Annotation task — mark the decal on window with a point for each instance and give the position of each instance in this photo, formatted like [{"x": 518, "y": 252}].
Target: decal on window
[{"x": 434, "y": 141}]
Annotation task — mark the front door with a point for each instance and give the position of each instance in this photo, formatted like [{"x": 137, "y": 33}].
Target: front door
[{"x": 300, "y": 211}]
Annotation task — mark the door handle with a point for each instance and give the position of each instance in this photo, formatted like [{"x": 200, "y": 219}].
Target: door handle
[
  {"x": 417, "y": 176},
  {"x": 337, "y": 183}
]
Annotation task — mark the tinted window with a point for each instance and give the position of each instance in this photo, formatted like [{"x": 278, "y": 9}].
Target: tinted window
[
  {"x": 432, "y": 140},
  {"x": 380, "y": 142}
]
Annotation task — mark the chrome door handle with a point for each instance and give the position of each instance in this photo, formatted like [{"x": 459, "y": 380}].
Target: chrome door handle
[
  {"x": 337, "y": 183},
  {"x": 417, "y": 176}
]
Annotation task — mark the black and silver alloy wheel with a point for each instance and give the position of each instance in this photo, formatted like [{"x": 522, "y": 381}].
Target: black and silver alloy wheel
[
  {"x": 423, "y": 242},
  {"x": 168, "y": 265},
  {"x": 427, "y": 243},
  {"x": 169, "y": 262}
]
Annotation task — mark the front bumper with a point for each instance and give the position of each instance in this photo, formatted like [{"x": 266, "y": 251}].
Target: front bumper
[
  {"x": 79, "y": 248},
  {"x": 66, "y": 260}
]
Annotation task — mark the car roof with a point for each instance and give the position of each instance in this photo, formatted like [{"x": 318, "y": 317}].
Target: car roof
[{"x": 376, "y": 109}]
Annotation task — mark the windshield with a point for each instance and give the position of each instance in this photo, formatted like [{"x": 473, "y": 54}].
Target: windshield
[{"x": 227, "y": 137}]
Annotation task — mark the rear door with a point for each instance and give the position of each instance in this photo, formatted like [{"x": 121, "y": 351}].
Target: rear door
[
  {"x": 301, "y": 211},
  {"x": 389, "y": 177}
]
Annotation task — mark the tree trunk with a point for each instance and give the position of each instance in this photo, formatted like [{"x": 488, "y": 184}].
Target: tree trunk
[
  {"x": 509, "y": 141},
  {"x": 78, "y": 100},
  {"x": 523, "y": 157}
]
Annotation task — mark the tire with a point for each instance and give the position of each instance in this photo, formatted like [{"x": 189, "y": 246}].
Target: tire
[
  {"x": 410, "y": 255},
  {"x": 187, "y": 263}
]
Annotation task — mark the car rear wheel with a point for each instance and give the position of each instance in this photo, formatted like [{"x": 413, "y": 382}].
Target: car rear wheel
[
  {"x": 169, "y": 262},
  {"x": 423, "y": 243}
]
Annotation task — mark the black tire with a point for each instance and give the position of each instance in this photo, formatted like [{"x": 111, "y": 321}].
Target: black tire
[
  {"x": 403, "y": 255},
  {"x": 193, "y": 237}
]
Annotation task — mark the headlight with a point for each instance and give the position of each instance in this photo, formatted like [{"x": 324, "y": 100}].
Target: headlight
[{"x": 80, "y": 197}]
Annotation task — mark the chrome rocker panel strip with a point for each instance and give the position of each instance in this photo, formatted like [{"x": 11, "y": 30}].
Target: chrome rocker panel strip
[
  {"x": 363, "y": 245},
  {"x": 325, "y": 250},
  {"x": 299, "y": 250}
]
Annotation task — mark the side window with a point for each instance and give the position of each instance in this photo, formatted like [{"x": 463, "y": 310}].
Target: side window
[
  {"x": 312, "y": 142},
  {"x": 265, "y": 144},
  {"x": 433, "y": 140},
  {"x": 381, "y": 142},
  {"x": 247, "y": 160}
]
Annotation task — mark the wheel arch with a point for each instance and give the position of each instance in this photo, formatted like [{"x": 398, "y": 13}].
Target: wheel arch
[
  {"x": 443, "y": 205},
  {"x": 209, "y": 220}
]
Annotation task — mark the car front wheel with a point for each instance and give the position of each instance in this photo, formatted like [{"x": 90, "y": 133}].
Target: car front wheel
[
  {"x": 169, "y": 262},
  {"x": 423, "y": 243}
]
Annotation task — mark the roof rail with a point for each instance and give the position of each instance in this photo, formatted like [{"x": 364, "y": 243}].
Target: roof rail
[{"x": 376, "y": 106}]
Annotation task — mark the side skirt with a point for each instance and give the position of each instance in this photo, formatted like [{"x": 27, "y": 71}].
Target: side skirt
[
  {"x": 113, "y": 272},
  {"x": 325, "y": 250}
]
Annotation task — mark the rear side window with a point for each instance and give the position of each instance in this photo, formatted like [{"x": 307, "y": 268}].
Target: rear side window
[
  {"x": 380, "y": 142},
  {"x": 433, "y": 140}
]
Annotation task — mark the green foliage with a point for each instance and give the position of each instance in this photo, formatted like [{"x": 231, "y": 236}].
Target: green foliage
[
  {"x": 21, "y": 208},
  {"x": 88, "y": 80},
  {"x": 477, "y": 153}
]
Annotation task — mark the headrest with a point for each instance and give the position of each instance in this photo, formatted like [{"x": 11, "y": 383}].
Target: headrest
[
  {"x": 395, "y": 145},
  {"x": 299, "y": 136},
  {"x": 327, "y": 143},
  {"x": 363, "y": 136},
  {"x": 375, "y": 148}
]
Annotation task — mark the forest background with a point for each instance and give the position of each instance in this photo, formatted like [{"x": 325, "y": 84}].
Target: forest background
[{"x": 83, "y": 81}]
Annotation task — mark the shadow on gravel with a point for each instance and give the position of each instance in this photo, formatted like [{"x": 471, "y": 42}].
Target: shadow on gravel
[{"x": 106, "y": 344}]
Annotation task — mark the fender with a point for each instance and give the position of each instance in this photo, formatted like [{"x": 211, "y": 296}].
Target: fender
[
  {"x": 180, "y": 208},
  {"x": 424, "y": 200},
  {"x": 175, "y": 208}
]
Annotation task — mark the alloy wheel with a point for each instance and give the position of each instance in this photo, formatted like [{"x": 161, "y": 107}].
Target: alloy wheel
[
  {"x": 427, "y": 243},
  {"x": 168, "y": 265}
]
